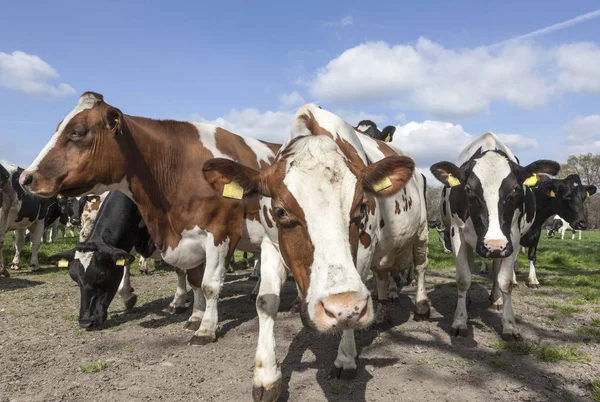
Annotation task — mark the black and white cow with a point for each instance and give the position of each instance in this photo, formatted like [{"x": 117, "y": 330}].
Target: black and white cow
[
  {"x": 20, "y": 211},
  {"x": 100, "y": 266},
  {"x": 369, "y": 128},
  {"x": 562, "y": 226},
  {"x": 54, "y": 228},
  {"x": 563, "y": 197},
  {"x": 443, "y": 235},
  {"x": 488, "y": 205}
]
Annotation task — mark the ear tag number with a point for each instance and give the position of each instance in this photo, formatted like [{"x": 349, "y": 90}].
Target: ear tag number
[
  {"x": 233, "y": 190},
  {"x": 382, "y": 184}
]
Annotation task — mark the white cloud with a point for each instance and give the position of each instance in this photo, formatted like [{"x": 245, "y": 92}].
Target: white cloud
[
  {"x": 291, "y": 100},
  {"x": 344, "y": 22},
  {"x": 267, "y": 126},
  {"x": 517, "y": 142},
  {"x": 401, "y": 117},
  {"x": 583, "y": 134},
  {"x": 355, "y": 117},
  {"x": 31, "y": 75},
  {"x": 458, "y": 82}
]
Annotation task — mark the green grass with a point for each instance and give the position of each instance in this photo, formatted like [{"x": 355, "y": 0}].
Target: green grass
[
  {"x": 94, "y": 367},
  {"x": 499, "y": 363},
  {"x": 523, "y": 348},
  {"x": 596, "y": 390},
  {"x": 543, "y": 352},
  {"x": 565, "y": 308}
]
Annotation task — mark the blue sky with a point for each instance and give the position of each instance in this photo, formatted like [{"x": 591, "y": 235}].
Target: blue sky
[{"x": 428, "y": 67}]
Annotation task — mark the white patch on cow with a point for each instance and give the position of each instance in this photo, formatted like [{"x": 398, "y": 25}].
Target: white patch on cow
[
  {"x": 364, "y": 127},
  {"x": 86, "y": 101},
  {"x": 190, "y": 252},
  {"x": 487, "y": 142},
  {"x": 262, "y": 151},
  {"x": 207, "y": 132},
  {"x": 323, "y": 186},
  {"x": 492, "y": 169},
  {"x": 335, "y": 125},
  {"x": 252, "y": 235},
  {"x": 84, "y": 257}
]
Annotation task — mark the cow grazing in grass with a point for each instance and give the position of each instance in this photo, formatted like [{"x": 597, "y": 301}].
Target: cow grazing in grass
[
  {"x": 20, "y": 211},
  {"x": 561, "y": 226},
  {"x": 334, "y": 204},
  {"x": 100, "y": 265},
  {"x": 488, "y": 205},
  {"x": 369, "y": 128},
  {"x": 158, "y": 164}
]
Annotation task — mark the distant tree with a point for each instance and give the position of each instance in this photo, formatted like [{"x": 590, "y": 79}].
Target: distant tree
[
  {"x": 586, "y": 166},
  {"x": 434, "y": 195}
]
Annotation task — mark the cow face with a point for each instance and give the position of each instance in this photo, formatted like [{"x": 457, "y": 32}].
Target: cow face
[
  {"x": 319, "y": 201},
  {"x": 83, "y": 151},
  {"x": 98, "y": 270},
  {"x": 76, "y": 206},
  {"x": 566, "y": 198},
  {"x": 369, "y": 128},
  {"x": 489, "y": 189}
]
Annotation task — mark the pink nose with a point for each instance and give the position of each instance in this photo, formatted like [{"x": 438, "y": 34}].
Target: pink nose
[
  {"x": 349, "y": 310},
  {"x": 495, "y": 244}
]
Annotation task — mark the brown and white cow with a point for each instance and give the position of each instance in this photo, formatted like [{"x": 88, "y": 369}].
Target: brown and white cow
[
  {"x": 334, "y": 204},
  {"x": 158, "y": 164},
  {"x": 89, "y": 215}
]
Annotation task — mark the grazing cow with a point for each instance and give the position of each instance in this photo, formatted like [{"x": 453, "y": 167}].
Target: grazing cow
[
  {"x": 369, "y": 128},
  {"x": 488, "y": 205},
  {"x": 20, "y": 211},
  {"x": 158, "y": 164},
  {"x": 88, "y": 216},
  {"x": 334, "y": 204},
  {"x": 561, "y": 226},
  {"x": 52, "y": 229},
  {"x": 100, "y": 265}
]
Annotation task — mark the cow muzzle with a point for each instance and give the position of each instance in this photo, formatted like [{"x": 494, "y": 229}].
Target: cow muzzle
[
  {"x": 496, "y": 248},
  {"x": 31, "y": 183},
  {"x": 348, "y": 310}
]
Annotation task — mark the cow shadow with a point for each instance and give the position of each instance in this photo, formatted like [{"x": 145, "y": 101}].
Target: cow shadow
[{"x": 8, "y": 284}]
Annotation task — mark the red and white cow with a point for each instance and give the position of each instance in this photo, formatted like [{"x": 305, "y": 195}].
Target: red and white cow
[
  {"x": 158, "y": 164},
  {"x": 334, "y": 204}
]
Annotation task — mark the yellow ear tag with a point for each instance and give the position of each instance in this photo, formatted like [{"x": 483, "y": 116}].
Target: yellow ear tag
[
  {"x": 94, "y": 200},
  {"x": 233, "y": 190},
  {"x": 388, "y": 138},
  {"x": 120, "y": 262},
  {"x": 58, "y": 196},
  {"x": 452, "y": 181},
  {"x": 531, "y": 181},
  {"x": 382, "y": 184},
  {"x": 63, "y": 263},
  {"x": 552, "y": 194},
  {"x": 587, "y": 195}
]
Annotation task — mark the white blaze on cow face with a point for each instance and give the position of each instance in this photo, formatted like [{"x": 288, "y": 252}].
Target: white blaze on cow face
[
  {"x": 84, "y": 257},
  {"x": 324, "y": 188},
  {"x": 86, "y": 101}
]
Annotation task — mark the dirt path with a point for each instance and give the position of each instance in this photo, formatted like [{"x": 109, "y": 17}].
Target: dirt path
[{"x": 146, "y": 355}]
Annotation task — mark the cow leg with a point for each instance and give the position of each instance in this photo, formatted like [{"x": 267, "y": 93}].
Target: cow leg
[
  {"x": 510, "y": 331},
  {"x": 19, "y": 243},
  {"x": 421, "y": 262},
  {"x": 344, "y": 366},
  {"x": 267, "y": 374},
  {"x": 463, "y": 283},
  {"x": 143, "y": 265},
  {"x": 496, "y": 294},
  {"x": 580, "y": 235},
  {"x": 4, "y": 210},
  {"x": 532, "y": 280},
  {"x": 126, "y": 291},
  {"x": 36, "y": 239},
  {"x": 382, "y": 315},
  {"x": 392, "y": 290},
  {"x": 256, "y": 271},
  {"x": 217, "y": 259},
  {"x": 177, "y": 306},
  {"x": 195, "y": 280}
]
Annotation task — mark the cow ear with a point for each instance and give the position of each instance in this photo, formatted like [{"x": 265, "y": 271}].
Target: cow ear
[
  {"x": 550, "y": 188},
  {"x": 114, "y": 120},
  {"x": 387, "y": 176},
  {"x": 94, "y": 198},
  {"x": 591, "y": 190},
  {"x": 528, "y": 174},
  {"x": 233, "y": 180},
  {"x": 4, "y": 176},
  {"x": 388, "y": 133},
  {"x": 447, "y": 173},
  {"x": 121, "y": 258},
  {"x": 63, "y": 258}
]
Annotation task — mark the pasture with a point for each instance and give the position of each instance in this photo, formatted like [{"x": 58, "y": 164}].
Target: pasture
[{"x": 143, "y": 355}]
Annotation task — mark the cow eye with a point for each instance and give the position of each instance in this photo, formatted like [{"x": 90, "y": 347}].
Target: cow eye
[
  {"x": 80, "y": 133},
  {"x": 280, "y": 213},
  {"x": 468, "y": 189}
]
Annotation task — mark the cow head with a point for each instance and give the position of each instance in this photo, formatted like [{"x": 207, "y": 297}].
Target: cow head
[
  {"x": 318, "y": 202},
  {"x": 83, "y": 156},
  {"x": 370, "y": 128},
  {"x": 489, "y": 188},
  {"x": 98, "y": 270},
  {"x": 76, "y": 205},
  {"x": 566, "y": 198}
]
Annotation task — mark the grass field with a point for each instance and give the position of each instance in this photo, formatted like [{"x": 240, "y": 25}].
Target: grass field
[{"x": 143, "y": 355}]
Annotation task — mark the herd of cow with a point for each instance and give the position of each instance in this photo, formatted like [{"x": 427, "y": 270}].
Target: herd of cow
[{"x": 331, "y": 205}]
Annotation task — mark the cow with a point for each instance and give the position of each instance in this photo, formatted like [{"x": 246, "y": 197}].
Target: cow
[
  {"x": 20, "y": 211},
  {"x": 369, "y": 128},
  {"x": 158, "y": 164},
  {"x": 443, "y": 235},
  {"x": 75, "y": 207},
  {"x": 88, "y": 216},
  {"x": 562, "y": 226},
  {"x": 53, "y": 229},
  {"x": 335, "y": 204},
  {"x": 488, "y": 204},
  {"x": 100, "y": 265}
]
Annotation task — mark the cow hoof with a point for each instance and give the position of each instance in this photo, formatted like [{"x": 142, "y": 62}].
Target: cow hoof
[
  {"x": 463, "y": 332},
  {"x": 15, "y": 267},
  {"x": 422, "y": 316},
  {"x": 192, "y": 325},
  {"x": 5, "y": 273},
  {"x": 144, "y": 272},
  {"x": 268, "y": 393},
  {"x": 130, "y": 303},
  {"x": 201, "y": 340},
  {"x": 174, "y": 310},
  {"x": 342, "y": 373},
  {"x": 35, "y": 268},
  {"x": 511, "y": 337},
  {"x": 533, "y": 285}
]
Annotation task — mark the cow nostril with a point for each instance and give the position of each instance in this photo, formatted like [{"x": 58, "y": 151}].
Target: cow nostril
[
  {"x": 329, "y": 313},
  {"x": 27, "y": 179}
]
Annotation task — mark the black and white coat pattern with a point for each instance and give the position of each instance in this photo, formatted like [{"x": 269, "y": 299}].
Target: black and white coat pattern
[
  {"x": 20, "y": 211},
  {"x": 488, "y": 205}
]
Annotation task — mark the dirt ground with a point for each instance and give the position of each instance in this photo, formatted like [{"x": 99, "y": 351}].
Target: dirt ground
[{"x": 146, "y": 356}]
